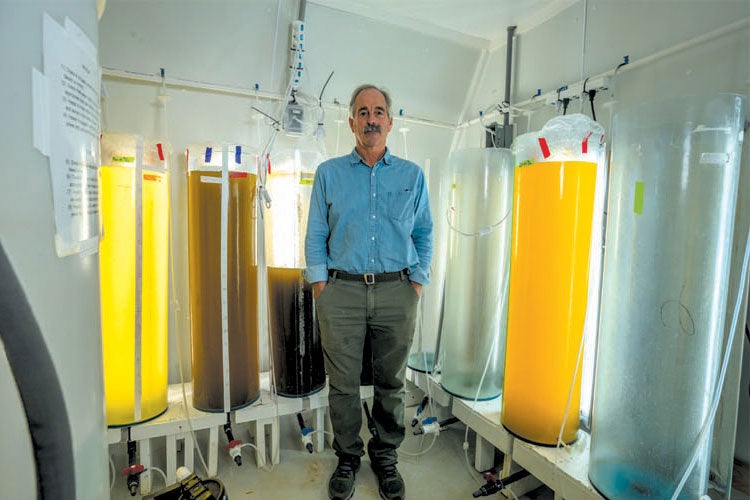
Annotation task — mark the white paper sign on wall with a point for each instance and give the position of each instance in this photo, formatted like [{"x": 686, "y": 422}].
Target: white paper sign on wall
[{"x": 66, "y": 129}]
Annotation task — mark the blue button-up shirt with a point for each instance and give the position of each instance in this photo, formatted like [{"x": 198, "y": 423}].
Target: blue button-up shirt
[{"x": 369, "y": 219}]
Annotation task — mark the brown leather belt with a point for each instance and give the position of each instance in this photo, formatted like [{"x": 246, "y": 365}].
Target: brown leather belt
[{"x": 368, "y": 278}]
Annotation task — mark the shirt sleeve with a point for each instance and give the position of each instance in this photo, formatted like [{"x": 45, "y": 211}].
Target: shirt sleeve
[
  {"x": 422, "y": 236},
  {"x": 316, "y": 239}
]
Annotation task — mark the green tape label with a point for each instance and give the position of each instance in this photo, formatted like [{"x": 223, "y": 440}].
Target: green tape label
[
  {"x": 638, "y": 202},
  {"x": 123, "y": 159}
]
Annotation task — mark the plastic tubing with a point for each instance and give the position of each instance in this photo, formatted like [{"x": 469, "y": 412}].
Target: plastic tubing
[
  {"x": 560, "y": 442},
  {"x": 708, "y": 424},
  {"x": 429, "y": 393},
  {"x": 175, "y": 310},
  {"x": 484, "y": 373},
  {"x": 164, "y": 476}
]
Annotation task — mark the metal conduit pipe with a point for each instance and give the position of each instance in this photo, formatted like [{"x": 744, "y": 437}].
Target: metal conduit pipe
[{"x": 508, "y": 68}]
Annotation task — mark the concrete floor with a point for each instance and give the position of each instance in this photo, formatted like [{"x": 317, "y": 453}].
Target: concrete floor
[{"x": 432, "y": 470}]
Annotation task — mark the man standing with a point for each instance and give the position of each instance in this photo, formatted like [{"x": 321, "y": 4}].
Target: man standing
[{"x": 368, "y": 250}]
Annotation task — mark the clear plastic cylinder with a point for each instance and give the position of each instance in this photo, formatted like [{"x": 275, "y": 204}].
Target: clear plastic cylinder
[
  {"x": 132, "y": 367},
  {"x": 295, "y": 339},
  {"x": 425, "y": 347},
  {"x": 553, "y": 211},
  {"x": 674, "y": 180},
  {"x": 204, "y": 256},
  {"x": 476, "y": 276}
]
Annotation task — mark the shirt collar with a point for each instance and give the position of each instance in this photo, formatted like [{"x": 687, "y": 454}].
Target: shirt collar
[{"x": 355, "y": 157}]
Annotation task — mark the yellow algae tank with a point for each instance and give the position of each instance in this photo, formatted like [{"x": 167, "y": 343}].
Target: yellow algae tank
[
  {"x": 553, "y": 209},
  {"x": 133, "y": 273}
]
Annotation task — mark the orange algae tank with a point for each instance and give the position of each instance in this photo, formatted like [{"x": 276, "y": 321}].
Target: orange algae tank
[{"x": 554, "y": 194}]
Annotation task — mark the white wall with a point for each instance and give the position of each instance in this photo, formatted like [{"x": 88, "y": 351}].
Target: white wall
[{"x": 63, "y": 292}]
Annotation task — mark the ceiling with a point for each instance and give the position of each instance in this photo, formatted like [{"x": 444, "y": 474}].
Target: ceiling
[{"x": 480, "y": 23}]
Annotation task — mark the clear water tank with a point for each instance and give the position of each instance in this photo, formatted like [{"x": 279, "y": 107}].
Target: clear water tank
[
  {"x": 476, "y": 278},
  {"x": 674, "y": 179}
]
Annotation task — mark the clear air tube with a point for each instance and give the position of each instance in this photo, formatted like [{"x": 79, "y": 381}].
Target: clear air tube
[{"x": 708, "y": 424}]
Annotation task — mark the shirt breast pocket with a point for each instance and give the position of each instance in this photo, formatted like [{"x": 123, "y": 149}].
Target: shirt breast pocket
[{"x": 401, "y": 205}]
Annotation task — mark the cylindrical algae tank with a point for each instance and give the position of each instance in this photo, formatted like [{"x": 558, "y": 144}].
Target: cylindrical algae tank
[
  {"x": 222, "y": 240},
  {"x": 295, "y": 340},
  {"x": 426, "y": 344},
  {"x": 553, "y": 210},
  {"x": 133, "y": 263},
  {"x": 476, "y": 276},
  {"x": 674, "y": 180}
]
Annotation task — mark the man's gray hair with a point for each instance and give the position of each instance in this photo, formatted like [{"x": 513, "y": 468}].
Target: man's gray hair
[{"x": 366, "y": 86}]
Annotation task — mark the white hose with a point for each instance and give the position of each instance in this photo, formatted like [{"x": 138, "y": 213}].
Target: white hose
[
  {"x": 112, "y": 471},
  {"x": 570, "y": 392},
  {"x": 484, "y": 372},
  {"x": 428, "y": 390},
  {"x": 176, "y": 309},
  {"x": 160, "y": 472}
]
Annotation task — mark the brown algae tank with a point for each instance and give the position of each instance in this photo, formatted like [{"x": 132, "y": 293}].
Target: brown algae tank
[
  {"x": 208, "y": 169},
  {"x": 295, "y": 344}
]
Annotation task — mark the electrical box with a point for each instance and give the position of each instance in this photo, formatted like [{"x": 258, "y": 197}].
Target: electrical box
[
  {"x": 294, "y": 119},
  {"x": 498, "y": 135}
]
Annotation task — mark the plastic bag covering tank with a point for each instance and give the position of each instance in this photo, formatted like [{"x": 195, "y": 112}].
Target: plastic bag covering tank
[
  {"x": 204, "y": 256},
  {"x": 134, "y": 316},
  {"x": 476, "y": 277},
  {"x": 675, "y": 169},
  {"x": 295, "y": 340},
  {"x": 553, "y": 210}
]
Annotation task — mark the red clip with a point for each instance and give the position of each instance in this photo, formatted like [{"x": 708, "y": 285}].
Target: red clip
[
  {"x": 232, "y": 444},
  {"x": 161, "y": 152},
  {"x": 489, "y": 477},
  {"x": 234, "y": 175},
  {"x": 585, "y": 143},
  {"x": 133, "y": 470},
  {"x": 269, "y": 162},
  {"x": 544, "y": 146}
]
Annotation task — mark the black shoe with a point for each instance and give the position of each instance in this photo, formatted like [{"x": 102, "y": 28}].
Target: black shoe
[
  {"x": 341, "y": 484},
  {"x": 390, "y": 483}
]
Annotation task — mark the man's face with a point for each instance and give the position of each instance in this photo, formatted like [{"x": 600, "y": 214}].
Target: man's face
[{"x": 371, "y": 122}]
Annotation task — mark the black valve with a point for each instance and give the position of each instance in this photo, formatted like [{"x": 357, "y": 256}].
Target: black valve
[
  {"x": 133, "y": 471},
  {"x": 494, "y": 485},
  {"x": 305, "y": 433},
  {"x": 420, "y": 409},
  {"x": 234, "y": 445}
]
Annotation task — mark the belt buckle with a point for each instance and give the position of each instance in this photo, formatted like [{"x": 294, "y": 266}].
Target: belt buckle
[{"x": 369, "y": 278}]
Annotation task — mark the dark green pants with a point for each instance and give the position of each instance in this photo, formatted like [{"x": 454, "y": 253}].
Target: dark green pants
[{"x": 346, "y": 310}]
